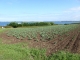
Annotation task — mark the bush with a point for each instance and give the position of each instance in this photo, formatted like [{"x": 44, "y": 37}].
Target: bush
[
  {"x": 13, "y": 24},
  {"x": 24, "y": 24}
]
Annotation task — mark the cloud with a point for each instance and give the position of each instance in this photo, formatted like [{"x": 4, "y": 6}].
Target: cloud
[
  {"x": 75, "y": 9},
  {"x": 8, "y": 19},
  {"x": 72, "y": 14},
  {"x": 77, "y": 17}
]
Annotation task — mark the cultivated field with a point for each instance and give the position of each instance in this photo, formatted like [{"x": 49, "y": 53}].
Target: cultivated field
[{"x": 41, "y": 43}]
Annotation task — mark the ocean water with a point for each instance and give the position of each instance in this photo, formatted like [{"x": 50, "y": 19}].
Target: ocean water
[
  {"x": 56, "y": 22},
  {"x": 66, "y": 22},
  {"x": 4, "y": 23}
]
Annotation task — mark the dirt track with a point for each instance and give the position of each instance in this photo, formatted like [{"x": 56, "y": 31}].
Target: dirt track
[
  {"x": 69, "y": 43},
  {"x": 76, "y": 45}
]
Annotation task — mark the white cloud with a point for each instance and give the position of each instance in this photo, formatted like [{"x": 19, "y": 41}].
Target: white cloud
[
  {"x": 77, "y": 17},
  {"x": 75, "y": 9},
  {"x": 7, "y": 19},
  {"x": 72, "y": 14}
]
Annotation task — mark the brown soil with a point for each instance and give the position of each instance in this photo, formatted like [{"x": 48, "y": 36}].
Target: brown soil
[{"x": 68, "y": 42}]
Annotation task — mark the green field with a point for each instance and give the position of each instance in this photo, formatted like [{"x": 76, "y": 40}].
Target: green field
[
  {"x": 20, "y": 51},
  {"x": 44, "y": 33}
]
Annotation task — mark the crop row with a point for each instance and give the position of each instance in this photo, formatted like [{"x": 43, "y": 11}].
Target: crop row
[{"x": 41, "y": 33}]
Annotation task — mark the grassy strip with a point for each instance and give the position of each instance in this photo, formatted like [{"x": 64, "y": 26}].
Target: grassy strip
[
  {"x": 1, "y": 30},
  {"x": 64, "y": 56},
  {"x": 20, "y": 51}
]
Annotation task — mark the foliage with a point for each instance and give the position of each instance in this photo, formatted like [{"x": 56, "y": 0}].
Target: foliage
[
  {"x": 44, "y": 33},
  {"x": 23, "y": 24},
  {"x": 66, "y": 24},
  {"x": 61, "y": 55},
  {"x": 13, "y": 24}
]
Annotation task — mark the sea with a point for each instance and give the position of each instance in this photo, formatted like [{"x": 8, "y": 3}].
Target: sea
[{"x": 55, "y": 22}]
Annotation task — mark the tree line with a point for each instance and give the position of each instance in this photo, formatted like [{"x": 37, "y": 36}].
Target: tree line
[{"x": 25, "y": 24}]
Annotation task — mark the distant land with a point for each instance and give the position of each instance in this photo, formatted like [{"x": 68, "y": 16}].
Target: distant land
[{"x": 55, "y": 22}]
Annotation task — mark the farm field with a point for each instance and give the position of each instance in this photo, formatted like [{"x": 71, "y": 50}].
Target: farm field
[{"x": 39, "y": 42}]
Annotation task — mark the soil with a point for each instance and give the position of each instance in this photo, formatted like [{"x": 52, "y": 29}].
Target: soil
[{"x": 68, "y": 42}]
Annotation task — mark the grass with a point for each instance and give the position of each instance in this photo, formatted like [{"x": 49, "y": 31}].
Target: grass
[
  {"x": 61, "y": 55},
  {"x": 20, "y": 51},
  {"x": 1, "y": 30}
]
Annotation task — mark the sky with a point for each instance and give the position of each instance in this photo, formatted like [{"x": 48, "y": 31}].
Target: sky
[{"x": 39, "y": 10}]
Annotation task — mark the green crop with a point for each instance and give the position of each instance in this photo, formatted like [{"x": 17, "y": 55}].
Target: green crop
[{"x": 41, "y": 33}]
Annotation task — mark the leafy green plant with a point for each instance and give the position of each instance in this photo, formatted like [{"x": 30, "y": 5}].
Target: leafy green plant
[{"x": 44, "y": 33}]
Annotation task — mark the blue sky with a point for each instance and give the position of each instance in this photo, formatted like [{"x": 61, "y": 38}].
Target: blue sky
[{"x": 39, "y": 10}]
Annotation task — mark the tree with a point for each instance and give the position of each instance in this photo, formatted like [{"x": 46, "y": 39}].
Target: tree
[{"x": 13, "y": 24}]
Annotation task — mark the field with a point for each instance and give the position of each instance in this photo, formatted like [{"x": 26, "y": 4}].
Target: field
[{"x": 58, "y": 42}]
